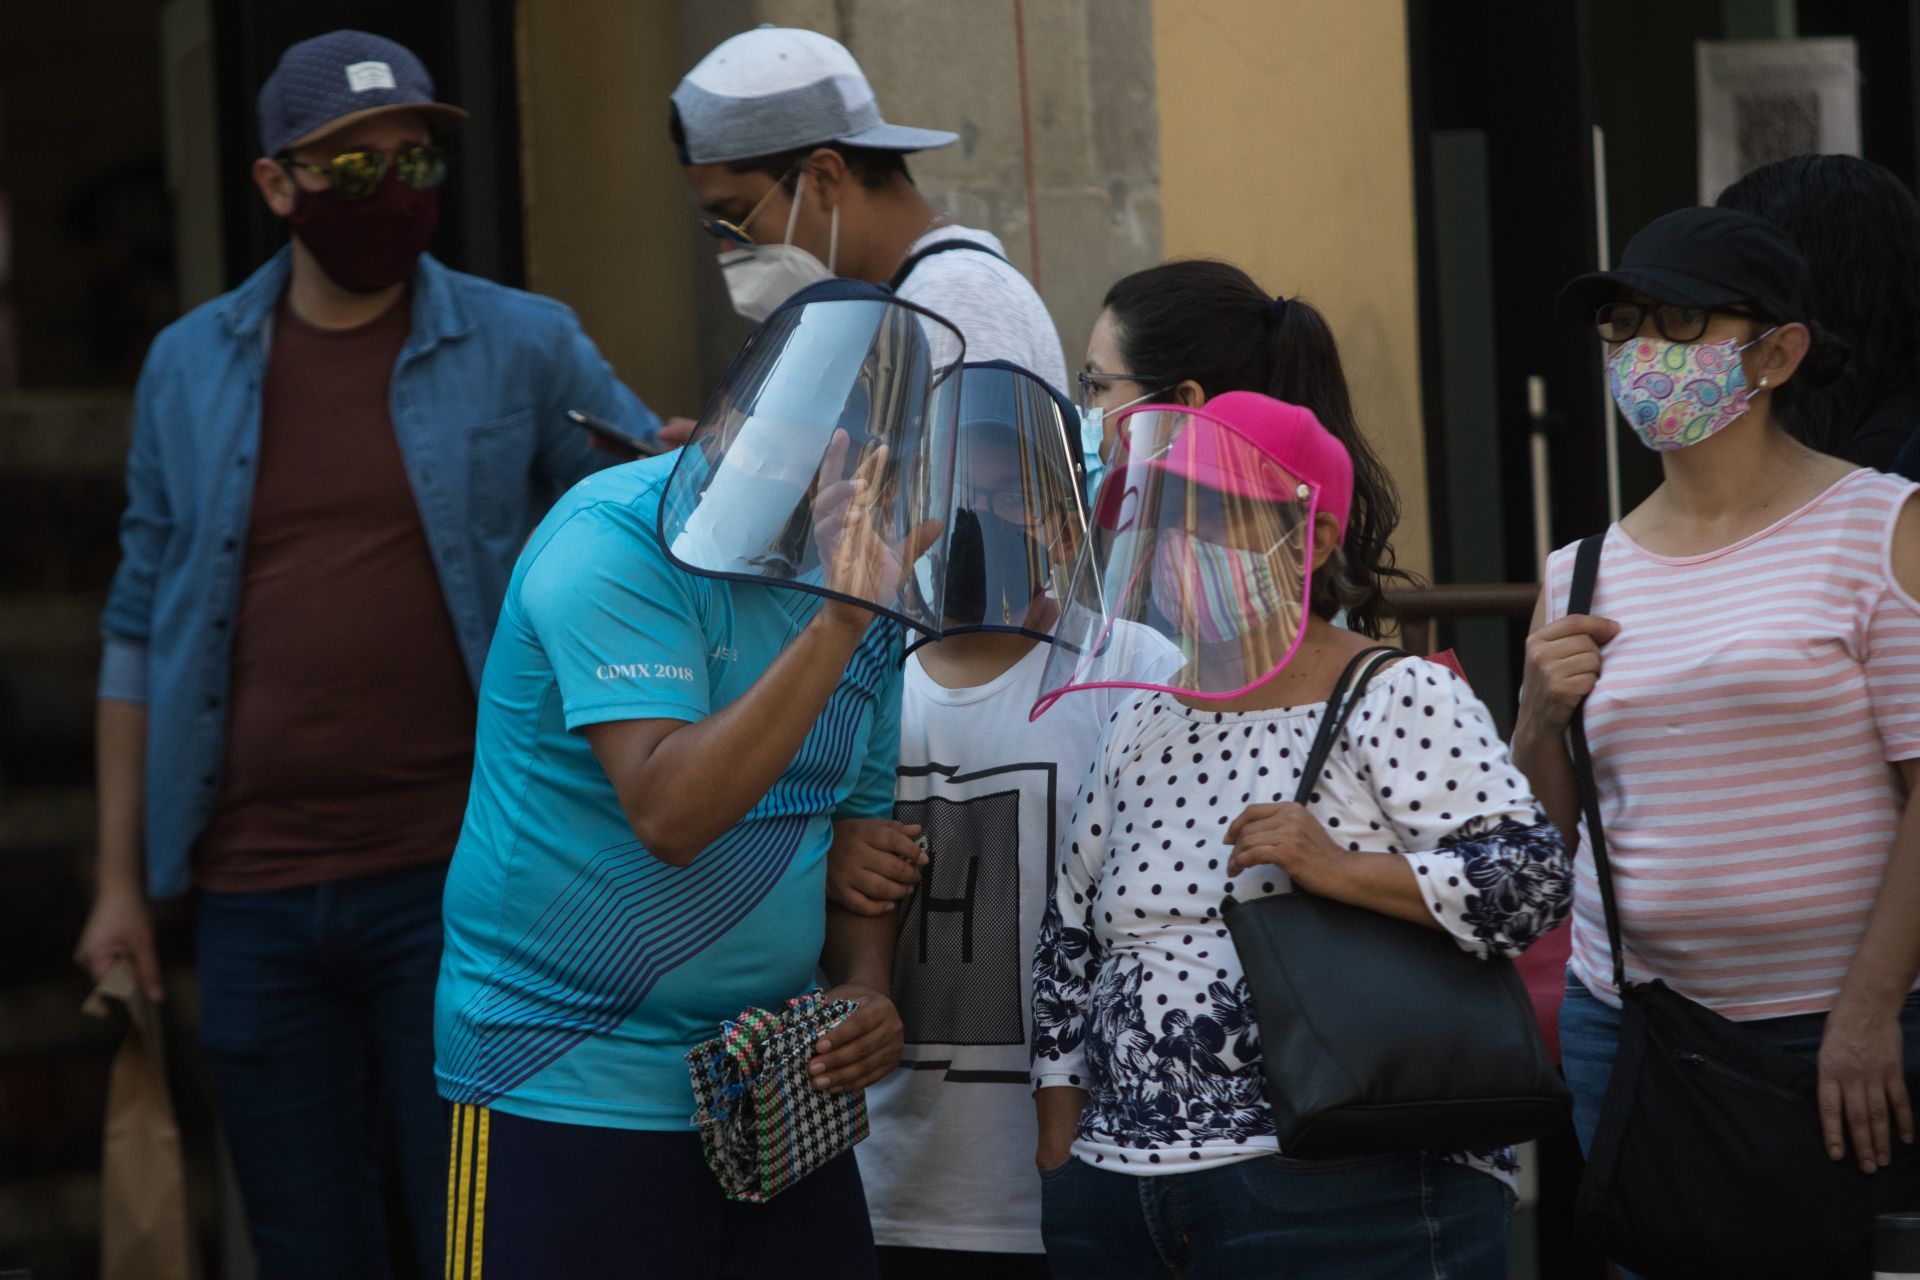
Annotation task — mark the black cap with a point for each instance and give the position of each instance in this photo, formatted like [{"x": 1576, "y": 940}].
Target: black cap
[{"x": 1701, "y": 257}]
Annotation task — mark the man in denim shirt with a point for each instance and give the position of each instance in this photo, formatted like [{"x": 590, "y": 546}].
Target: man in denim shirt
[{"x": 333, "y": 468}]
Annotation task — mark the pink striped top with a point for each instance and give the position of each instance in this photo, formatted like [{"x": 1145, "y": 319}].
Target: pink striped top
[{"x": 1742, "y": 730}]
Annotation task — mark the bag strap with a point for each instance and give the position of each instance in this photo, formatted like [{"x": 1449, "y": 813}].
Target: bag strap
[
  {"x": 1586, "y": 568},
  {"x": 1340, "y": 703},
  {"x": 938, "y": 246}
]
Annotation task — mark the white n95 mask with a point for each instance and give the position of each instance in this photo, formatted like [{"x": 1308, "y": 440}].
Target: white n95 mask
[{"x": 760, "y": 277}]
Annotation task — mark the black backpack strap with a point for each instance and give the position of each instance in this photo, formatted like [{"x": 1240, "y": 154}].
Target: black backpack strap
[
  {"x": 1586, "y": 568},
  {"x": 938, "y": 246},
  {"x": 1340, "y": 703}
]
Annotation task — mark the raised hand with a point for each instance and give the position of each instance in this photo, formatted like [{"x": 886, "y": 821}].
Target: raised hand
[{"x": 858, "y": 561}]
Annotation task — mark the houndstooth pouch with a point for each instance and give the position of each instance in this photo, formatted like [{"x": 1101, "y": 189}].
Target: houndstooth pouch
[{"x": 763, "y": 1126}]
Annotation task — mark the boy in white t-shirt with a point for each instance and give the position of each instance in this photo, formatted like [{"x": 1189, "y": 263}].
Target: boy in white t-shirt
[{"x": 949, "y": 1170}]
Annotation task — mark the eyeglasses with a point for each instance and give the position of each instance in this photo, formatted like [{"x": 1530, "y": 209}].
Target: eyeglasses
[
  {"x": 1620, "y": 321},
  {"x": 1008, "y": 504},
  {"x": 736, "y": 232},
  {"x": 1091, "y": 382},
  {"x": 1235, "y": 521},
  {"x": 355, "y": 175}
]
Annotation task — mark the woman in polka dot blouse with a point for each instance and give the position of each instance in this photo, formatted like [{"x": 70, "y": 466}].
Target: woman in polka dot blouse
[{"x": 1157, "y": 1148}]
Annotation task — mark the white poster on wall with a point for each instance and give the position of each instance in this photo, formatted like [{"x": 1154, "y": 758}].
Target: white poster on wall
[{"x": 1765, "y": 100}]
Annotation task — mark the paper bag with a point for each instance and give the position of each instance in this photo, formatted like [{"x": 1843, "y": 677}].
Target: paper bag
[{"x": 143, "y": 1185}]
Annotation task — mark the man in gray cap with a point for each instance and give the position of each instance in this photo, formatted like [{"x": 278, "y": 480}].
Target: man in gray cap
[
  {"x": 800, "y": 179},
  {"x": 332, "y": 470}
]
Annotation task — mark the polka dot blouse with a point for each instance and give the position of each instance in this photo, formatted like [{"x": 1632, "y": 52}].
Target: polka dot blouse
[{"x": 1138, "y": 995}]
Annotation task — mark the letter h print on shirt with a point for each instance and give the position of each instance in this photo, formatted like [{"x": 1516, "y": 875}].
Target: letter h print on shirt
[{"x": 962, "y": 954}]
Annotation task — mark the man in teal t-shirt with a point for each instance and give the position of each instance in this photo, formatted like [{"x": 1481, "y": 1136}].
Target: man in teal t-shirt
[
  {"x": 660, "y": 759},
  {"x": 579, "y": 970}
]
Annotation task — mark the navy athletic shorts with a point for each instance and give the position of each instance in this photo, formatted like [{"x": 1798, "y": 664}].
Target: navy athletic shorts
[{"x": 533, "y": 1200}]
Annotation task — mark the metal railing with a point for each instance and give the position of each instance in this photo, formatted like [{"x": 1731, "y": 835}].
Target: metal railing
[{"x": 1418, "y": 608}]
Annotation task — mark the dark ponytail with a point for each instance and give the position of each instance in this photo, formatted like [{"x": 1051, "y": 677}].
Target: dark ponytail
[{"x": 1209, "y": 322}]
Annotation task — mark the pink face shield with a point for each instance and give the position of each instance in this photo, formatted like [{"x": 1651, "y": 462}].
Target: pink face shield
[{"x": 1198, "y": 567}]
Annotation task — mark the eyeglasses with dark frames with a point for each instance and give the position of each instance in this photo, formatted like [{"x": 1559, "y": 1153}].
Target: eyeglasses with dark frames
[{"x": 1620, "y": 321}]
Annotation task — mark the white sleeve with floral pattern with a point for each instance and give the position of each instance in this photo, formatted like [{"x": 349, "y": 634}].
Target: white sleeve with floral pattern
[
  {"x": 1065, "y": 959},
  {"x": 1492, "y": 870}
]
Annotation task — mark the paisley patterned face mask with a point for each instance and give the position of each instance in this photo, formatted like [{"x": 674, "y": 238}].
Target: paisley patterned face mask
[
  {"x": 1217, "y": 592},
  {"x": 1675, "y": 394}
]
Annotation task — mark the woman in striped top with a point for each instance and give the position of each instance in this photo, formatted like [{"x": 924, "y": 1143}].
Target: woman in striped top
[{"x": 1751, "y": 670}]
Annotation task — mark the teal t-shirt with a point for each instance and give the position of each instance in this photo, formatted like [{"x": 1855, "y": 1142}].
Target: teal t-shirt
[{"x": 579, "y": 969}]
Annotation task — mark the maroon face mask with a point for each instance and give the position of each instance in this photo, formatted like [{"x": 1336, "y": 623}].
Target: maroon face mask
[{"x": 365, "y": 245}]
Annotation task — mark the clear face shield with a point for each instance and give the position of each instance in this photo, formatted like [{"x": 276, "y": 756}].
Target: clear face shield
[
  {"x": 1201, "y": 543},
  {"x": 825, "y": 456},
  {"x": 1018, "y": 520}
]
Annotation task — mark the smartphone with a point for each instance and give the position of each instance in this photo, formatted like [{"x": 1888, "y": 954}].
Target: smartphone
[{"x": 614, "y": 435}]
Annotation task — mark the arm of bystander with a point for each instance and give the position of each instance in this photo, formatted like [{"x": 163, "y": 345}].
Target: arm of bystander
[{"x": 579, "y": 377}]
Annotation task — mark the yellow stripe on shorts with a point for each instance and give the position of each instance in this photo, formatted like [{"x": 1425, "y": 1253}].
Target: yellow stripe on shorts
[
  {"x": 480, "y": 1195},
  {"x": 467, "y": 1191},
  {"x": 453, "y": 1182}
]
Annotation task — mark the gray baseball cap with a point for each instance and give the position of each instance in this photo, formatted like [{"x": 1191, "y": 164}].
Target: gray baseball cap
[
  {"x": 333, "y": 80},
  {"x": 776, "y": 89}
]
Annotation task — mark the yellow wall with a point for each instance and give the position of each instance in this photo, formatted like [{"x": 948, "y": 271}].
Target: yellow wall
[
  {"x": 608, "y": 214},
  {"x": 1285, "y": 148}
]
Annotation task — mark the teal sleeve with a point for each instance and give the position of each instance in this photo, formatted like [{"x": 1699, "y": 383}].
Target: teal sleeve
[
  {"x": 872, "y": 794},
  {"x": 620, "y": 626}
]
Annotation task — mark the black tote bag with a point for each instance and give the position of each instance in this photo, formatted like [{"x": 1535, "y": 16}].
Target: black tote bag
[
  {"x": 1378, "y": 1035},
  {"x": 1708, "y": 1160}
]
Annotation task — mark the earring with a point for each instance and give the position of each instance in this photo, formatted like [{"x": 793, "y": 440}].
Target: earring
[{"x": 1763, "y": 380}]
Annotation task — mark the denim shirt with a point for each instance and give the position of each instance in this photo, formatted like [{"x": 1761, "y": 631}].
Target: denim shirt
[{"x": 479, "y": 398}]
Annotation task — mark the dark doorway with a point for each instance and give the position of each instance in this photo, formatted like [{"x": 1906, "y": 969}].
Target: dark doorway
[
  {"x": 1504, "y": 186},
  {"x": 86, "y": 233}
]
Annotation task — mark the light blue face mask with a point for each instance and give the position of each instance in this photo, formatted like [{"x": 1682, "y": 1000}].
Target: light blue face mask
[{"x": 1093, "y": 436}]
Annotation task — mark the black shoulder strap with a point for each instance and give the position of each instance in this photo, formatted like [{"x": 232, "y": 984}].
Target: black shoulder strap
[
  {"x": 1340, "y": 703},
  {"x": 1586, "y": 568},
  {"x": 938, "y": 246}
]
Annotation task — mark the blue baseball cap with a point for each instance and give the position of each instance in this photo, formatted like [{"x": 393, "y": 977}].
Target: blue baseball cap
[{"x": 338, "y": 79}]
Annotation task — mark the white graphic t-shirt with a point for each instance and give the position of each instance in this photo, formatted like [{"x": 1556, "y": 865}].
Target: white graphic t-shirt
[
  {"x": 995, "y": 307},
  {"x": 949, "y": 1164}
]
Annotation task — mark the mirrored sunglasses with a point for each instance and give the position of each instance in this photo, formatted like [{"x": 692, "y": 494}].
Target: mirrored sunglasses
[{"x": 355, "y": 175}]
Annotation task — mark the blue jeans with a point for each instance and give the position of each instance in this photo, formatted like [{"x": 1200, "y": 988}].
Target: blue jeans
[
  {"x": 1590, "y": 1036},
  {"x": 316, "y": 1009},
  {"x": 1369, "y": 1218}
]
